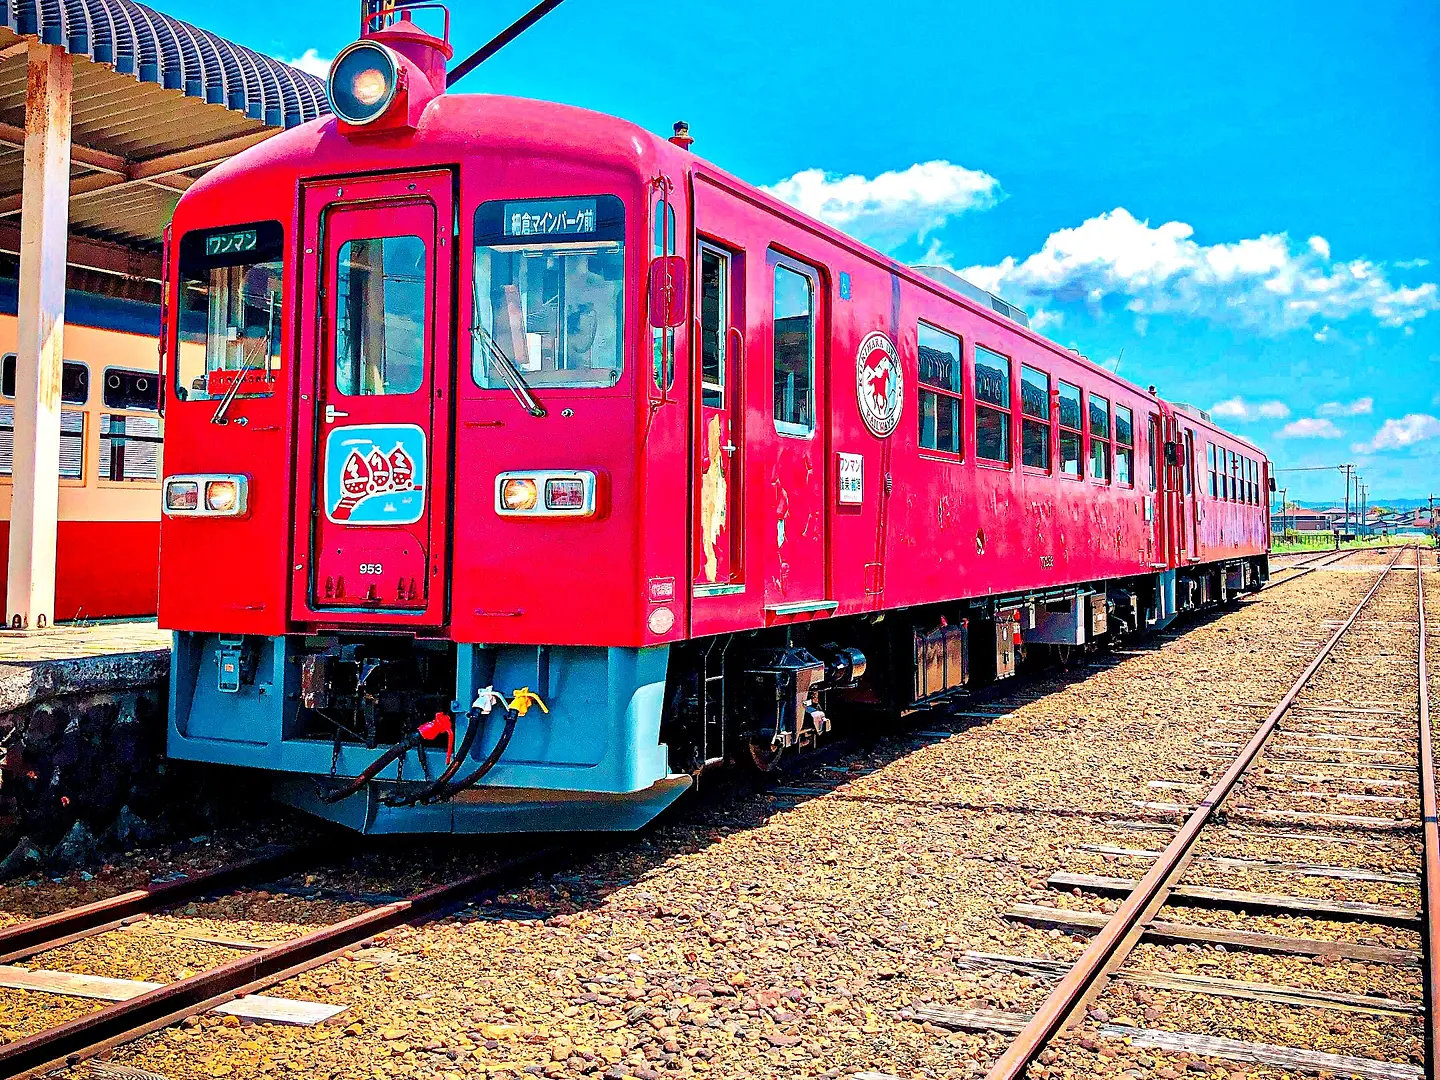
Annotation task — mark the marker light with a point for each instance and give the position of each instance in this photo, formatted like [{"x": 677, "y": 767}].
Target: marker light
[
  {"x": 566, "y": 493},
  {"x": 207, "y": 495},
  {"x": 363, "y": 80},
  {"x": 181, "y": 495},
  {"x": 519, "y": 494}
]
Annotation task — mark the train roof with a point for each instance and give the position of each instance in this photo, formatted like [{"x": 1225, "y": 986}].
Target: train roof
[{"x": 454, "y": 124}]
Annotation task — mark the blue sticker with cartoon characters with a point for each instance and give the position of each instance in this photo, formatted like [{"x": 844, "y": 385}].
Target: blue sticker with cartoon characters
[{"x": 375, "y": 474}]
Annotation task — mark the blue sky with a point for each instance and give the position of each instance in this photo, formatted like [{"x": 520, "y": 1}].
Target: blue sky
[{"x": 1242, "y": 198}]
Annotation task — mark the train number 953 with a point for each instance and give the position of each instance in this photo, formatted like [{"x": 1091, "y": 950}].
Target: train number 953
[{"x": 372, "y": 568}]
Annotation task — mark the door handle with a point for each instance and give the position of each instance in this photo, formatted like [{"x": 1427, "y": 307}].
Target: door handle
[
  {"x": 728, "y": 448},
  {"x": 332, "y": 414}
]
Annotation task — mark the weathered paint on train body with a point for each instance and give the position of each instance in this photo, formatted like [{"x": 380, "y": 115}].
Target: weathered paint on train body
[{"x": 711, "y": 517}]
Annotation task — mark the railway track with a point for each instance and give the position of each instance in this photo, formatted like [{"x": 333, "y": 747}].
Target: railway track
[
  {"x": 1324, "y": 784},
  {"x": 109, "y": 1027}
]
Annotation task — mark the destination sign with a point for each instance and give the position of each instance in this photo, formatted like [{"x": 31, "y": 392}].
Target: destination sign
[{"x": 551, "y": 217}]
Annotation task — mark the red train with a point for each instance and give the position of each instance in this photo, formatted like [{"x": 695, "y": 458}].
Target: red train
[{"x": 477, "y": 405}]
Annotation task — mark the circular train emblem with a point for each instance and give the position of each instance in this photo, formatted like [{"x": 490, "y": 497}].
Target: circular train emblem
[{"x": 878, "y": 386}]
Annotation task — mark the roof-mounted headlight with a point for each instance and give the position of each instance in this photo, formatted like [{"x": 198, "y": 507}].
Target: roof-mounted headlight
[{"x": 363, "y": 80}]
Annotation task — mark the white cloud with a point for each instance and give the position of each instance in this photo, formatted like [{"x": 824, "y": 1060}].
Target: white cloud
[
  {"x": 1264, "y": 283},
  {"x": 1310, "y": 427},
  {"x": 1398, "y": 434},
  {"x": 311, "y": 60},
  {"x": 1237, "y": 408},
  {"x": 1323, "y": 334},
  {"x": 1043, "y": 318},
  {"x": 895, "y": 206},
  {"x": 1359, "y": 407}
]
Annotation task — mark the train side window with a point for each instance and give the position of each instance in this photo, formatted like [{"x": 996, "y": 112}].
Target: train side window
[
  {"x": 992, "y": 406},
  {"x": 938, "y": 359},
  {"x": 137, "y": 390},
  {"x": 1071, "y": 423},
  {"x": 74, "y": 380},
  {"x": 794, "y": 350},
  {"x": 1214, "y": 473},
  {"x": 1035, "y": 418},
  {"x": 129, "y": 447},
  {"x": 1124, "y": 446},
  {"x": 1224, "y": 473},
  {"x": 1099, "y": 438},
  {"x": 74, "y": 390},
  {"x": 1254, "y": 482},
  {"x": 1189, "y": 461}
]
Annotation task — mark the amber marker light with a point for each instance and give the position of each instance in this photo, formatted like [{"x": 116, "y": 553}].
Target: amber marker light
[
  {"x": 222, "y": 496},
  {"x": 519, "y": 494}
]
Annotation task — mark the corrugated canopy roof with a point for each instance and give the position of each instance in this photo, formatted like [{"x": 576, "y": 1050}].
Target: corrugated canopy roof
[{"x": 157, "y": 102}]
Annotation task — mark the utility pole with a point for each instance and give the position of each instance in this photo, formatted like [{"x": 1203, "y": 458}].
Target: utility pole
[
  {"x": 1284, "y": 529},
  {"x": 1346, "y": 525}
]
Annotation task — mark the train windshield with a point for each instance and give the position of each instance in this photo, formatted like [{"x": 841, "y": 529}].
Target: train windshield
[
  {"x": 550, "y": 291},
  {"x": 229, "y": 312}
]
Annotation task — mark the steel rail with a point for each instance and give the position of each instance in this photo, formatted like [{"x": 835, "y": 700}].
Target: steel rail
[
  {"x": 1431, "y": 831},
  {"x": 104, "y": 1029},
  {"x": 49, "y": 931},
  {"x": 1110, "y": 947},
  {"x": 1302, "y": 569}
]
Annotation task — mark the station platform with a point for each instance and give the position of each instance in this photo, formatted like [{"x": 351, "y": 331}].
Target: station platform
[{"x": 74, "y": 658}]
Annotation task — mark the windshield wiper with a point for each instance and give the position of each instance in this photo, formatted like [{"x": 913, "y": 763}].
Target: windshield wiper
[
  {"x": 511, "y": 374},
  {"x": 247, "y": 365}
]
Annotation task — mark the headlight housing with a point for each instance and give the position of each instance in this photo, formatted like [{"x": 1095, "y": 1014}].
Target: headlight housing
[
  {"x": 363, "y": 81},
  {"x": 207, "y": 495},
  {"x": 546, "y": 493}
]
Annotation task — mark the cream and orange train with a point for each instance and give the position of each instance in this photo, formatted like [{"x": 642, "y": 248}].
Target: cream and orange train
[{"x": 107, "y": 544}]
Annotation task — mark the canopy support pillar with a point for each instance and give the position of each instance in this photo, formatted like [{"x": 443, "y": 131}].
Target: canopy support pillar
[{"x": 39, "y": 353}]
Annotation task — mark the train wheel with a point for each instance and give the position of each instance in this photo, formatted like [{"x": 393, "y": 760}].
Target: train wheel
[{"x": 764, "y": 755}]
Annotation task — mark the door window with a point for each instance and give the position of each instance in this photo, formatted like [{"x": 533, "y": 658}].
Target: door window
[
  {"x": 380, "y": 316},
  {"x": 714, "y": 325},
  {"x": 794, "y": 352}
]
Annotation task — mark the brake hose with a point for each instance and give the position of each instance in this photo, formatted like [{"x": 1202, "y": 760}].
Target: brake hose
[
  {"x": 373, "y": 769},
  {"x": 511, "y": 716},
  {"x": 474, "y": 716}
]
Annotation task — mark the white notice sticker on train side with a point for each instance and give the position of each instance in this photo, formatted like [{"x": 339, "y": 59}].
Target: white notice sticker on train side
[{"x": 852, "y": 479}]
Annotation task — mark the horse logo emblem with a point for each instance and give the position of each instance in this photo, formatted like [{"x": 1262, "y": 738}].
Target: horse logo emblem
[{"x": 879, "y": 384}]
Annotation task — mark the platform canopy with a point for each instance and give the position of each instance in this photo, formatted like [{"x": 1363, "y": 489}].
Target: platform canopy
[
  {"x": 155, "y": 102},
  {"x": 109, "y": 110}
]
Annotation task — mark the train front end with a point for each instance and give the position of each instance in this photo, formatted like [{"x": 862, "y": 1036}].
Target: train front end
[{"x": 417, "y": 503}]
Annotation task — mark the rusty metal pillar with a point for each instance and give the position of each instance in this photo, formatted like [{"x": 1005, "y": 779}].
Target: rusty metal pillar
[{"x": 44, "y": 229}]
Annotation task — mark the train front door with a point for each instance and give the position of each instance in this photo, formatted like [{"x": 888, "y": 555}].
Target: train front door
[
  {"x": 717, "y": 546},
  {"x": 376, "y": 354}
]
